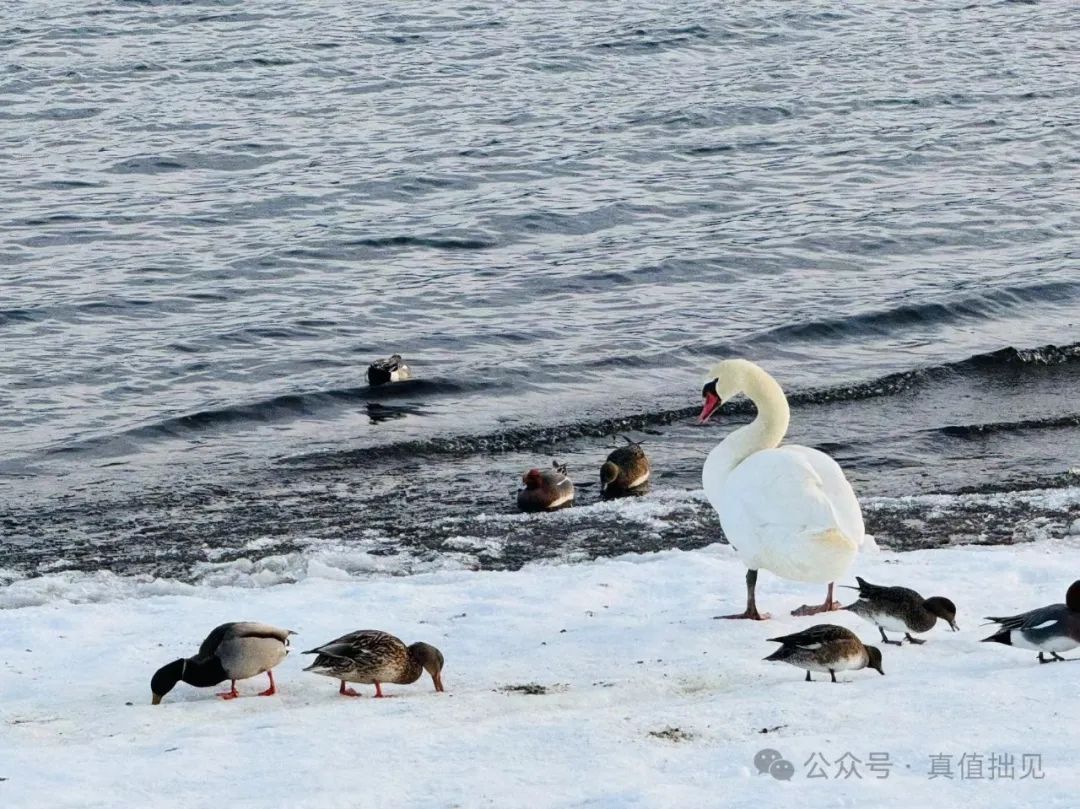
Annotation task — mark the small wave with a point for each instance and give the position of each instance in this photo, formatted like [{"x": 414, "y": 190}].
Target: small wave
[
  {"x": 533, "y": 437},
  {"x": 976, "y": 430},
  {"x": 423, "y": 241},
  {"x": 885, "y": 321},
  {"x": 284, "y": 407}
]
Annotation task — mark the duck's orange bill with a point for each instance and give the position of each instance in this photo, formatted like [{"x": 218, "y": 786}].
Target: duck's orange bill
[{"x": 712, "y": 404}]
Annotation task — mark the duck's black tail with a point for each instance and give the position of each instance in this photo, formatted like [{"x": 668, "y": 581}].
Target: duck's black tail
[{"x": 1004, "y": 636}]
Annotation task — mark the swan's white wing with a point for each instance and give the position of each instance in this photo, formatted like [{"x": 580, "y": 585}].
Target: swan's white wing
[
  {"x": 777, "y": 514},
  {"x": 837, "y": 489}
]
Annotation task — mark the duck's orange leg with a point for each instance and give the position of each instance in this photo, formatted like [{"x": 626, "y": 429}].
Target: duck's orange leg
[{"x": 269, "y": 692}]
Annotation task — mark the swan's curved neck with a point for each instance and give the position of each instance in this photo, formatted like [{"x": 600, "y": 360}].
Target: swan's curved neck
[{"x": 764, "y": 432}]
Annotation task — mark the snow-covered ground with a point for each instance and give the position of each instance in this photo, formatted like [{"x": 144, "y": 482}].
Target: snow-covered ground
[{"x": 642, "y": 699}]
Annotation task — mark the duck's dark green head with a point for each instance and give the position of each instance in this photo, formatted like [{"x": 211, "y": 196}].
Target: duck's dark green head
[
  {"x": 431, "y": 659},
  {"x": 165, "y": 679}
]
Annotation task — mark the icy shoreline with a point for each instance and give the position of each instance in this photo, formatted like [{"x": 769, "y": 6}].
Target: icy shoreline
[{"x": 644, "y": 699}]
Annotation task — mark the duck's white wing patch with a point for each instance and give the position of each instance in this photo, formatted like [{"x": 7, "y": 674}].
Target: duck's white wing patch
[{"x": 1043, "y": 625}]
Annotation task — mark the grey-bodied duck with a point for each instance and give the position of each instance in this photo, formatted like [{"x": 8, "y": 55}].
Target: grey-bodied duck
[
  {"x": 233, "y": 651},
  {"x": 546, "y": 489}
]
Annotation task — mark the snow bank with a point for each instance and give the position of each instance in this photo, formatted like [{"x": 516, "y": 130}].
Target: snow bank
[{"x": 605, "y": 684}]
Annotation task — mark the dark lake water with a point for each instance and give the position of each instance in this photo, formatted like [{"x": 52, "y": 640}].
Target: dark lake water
[{"x": 216, "y": 214}]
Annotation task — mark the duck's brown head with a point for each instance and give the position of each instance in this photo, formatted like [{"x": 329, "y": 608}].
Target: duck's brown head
[
  {"x": 944, "y": 609},
  {"x": 609, "y": 473},
  {"x": 431, "y": 659},
  {"x": 875, "y": 659},
  {"x": 533, "y": 479}
]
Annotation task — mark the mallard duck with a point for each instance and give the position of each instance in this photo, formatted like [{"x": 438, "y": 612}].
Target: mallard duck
[
  {"x": 234, "y": 651},
  {"x": 625, "y": 471},
  {"x": 899, "y": 609},
  {"x": 1050, "y": 629},
  {"x": 785, "y": 508},
  {"x": 546, "y": 490},
  {"x": 826, "y": 647},
  {"x": 393, "y": 369},
  {"x": 374, "y": 657}
]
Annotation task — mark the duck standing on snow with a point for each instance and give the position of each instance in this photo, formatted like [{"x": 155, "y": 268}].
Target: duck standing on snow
[
  {"x": 234, "y": 651},
  {"x": 373, "y": 657},
  {"x": 393, "y": 369},
  {"x": 826, "y": 647},
  {"x": 1050, "y": 629},
  {"x": 625, "y": 471},
  {"x": 788, "y": 509},
  {"x": 899, "y": 609},
  {"x": 546, "y": 490}
]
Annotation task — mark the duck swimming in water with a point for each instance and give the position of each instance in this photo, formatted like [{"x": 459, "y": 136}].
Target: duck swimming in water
[
  {"x": 234, "y": 651},
  {"x": 625, "y": 471},
  {"x": 393, "y": 369},
  {"x": 373, "y": 657},
  {"x": 546, "y": 489}
]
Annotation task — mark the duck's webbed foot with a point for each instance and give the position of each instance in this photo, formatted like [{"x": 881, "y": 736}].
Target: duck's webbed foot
[
  {"x": 916, "y": 641},
  {"x": 885, "y": 638}
]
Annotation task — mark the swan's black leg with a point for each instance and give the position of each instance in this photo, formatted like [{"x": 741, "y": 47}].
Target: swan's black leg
[{"x": 751, "y": 602}]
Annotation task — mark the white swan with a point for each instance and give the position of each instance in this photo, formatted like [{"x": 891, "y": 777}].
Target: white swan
[{"x": 788, "y": 509}]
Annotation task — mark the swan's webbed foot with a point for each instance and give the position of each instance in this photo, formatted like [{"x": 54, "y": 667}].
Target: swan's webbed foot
[
  {"x": 829, "y": 606},
  {"x": 916, "y": 641},
  {"x": 752, "y": 615}
]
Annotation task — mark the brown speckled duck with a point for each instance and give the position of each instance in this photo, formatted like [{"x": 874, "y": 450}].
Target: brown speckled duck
[
  {"x": 625, "y": 471},
  {"x": 546, "y": 489},
  {"x": 373, "y": 657}
]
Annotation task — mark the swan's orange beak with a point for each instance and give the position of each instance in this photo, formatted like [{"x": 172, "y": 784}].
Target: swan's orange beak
[{"x": 712, "y": 404}]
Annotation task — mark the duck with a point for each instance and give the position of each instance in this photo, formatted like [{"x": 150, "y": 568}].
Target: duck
[
  {"x": 546, "y": 490},
  {"x": 232, "y": 651},
  {"x": 826, "y": 647},
  {"x": 899, "y": 609},
  {"x": 1047, "y": 630},
  {"x": 625, "y": 471},
  {"x": 374, "y": 657},
  {"x": 392, "y": 369},
  {"x": 786, "y": 509}
]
